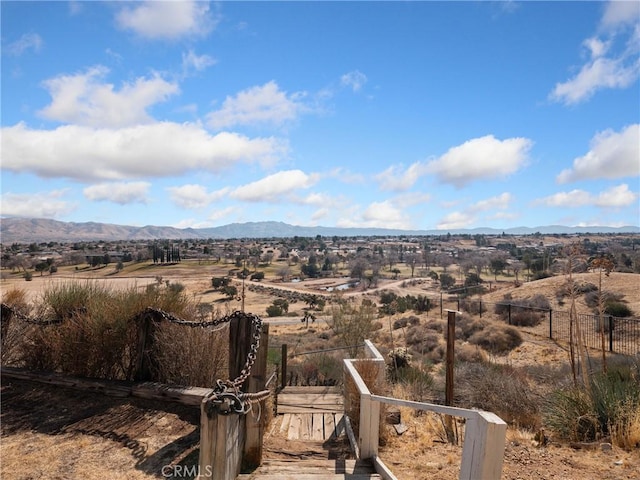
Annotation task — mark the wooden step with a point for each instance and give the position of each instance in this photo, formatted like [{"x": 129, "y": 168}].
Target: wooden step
[
  {"x": 309, "y": 476},
  {"x": 314, "y": 469}
]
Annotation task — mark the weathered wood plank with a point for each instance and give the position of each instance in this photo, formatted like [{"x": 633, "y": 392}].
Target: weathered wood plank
[
  {"x": 286, "y": 420},
  {"x": 316, "y": 389},
  {"x": 191, "y": 396},
  {"x": 309, "y": 409},
  {"x": 293, "y": 433},
  {"x": 305, "y": 427},
  {"x": 317, "y": 421},
  {"x": 309, "y": 476}
]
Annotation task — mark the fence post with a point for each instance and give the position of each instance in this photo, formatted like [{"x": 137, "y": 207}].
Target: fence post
[
  {"x": 610, "y": 333},
  {"x": 550, "y": 324},
  {"x": 509, "y": 307},
  {"x": 255, "y": 422},
  {"x": 369, "y": 428},
  {"x": 146, "y": 361},
  {"x": 450, "y": 356},
  {"x": 480, "y": 308},
  {"x": 221, "y": 437},
  {"x": 5, "y": 318},
  {"x": 283, "y": 361},
  {"x": 483, "y": 449}
]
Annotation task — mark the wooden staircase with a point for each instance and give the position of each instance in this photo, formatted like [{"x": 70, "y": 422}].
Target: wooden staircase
[{"x": 307, "y": 440}]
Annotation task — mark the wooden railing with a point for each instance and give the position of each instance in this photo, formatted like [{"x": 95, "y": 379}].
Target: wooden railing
[{"x": 485, "y": 432}]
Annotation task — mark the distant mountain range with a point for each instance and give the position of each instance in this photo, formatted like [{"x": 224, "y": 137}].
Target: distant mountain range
[{"x": 28, "y": 230}]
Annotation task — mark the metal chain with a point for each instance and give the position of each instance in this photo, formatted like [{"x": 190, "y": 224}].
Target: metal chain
[
  {"x": 225, "y": 397},
  {"x": 6, "y": 309}
]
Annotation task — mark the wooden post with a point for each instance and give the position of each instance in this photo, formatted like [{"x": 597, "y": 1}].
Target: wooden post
[
  {"x": 483, "y": 450},
  {"x": 255, "y": 420},
  {"x": 283, "y": 361},
  {"x": 221, "y": 440},
  {"x": 5, "y": 318},
  {"x": 450, "y": 356},
  {"x": 369, "y": 428},
  {"x": 146, "y": 361},
  {"x": 240, "y": 337}
]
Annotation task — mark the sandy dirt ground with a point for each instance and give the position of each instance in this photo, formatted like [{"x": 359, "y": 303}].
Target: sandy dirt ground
[{"x": 56, "y": 433}]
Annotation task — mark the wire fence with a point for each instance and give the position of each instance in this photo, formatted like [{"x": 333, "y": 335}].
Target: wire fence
[{"x": 621, "y": 335}]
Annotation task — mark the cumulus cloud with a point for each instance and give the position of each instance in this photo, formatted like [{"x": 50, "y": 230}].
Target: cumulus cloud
[
  {"x": 259, "y": 105},
  {"x": 397, "y": 179},
  {"x": 274, "y": 188},
  {"x": 156, "y": 150},
  {"x": 494, "y": 206},
  {"x": 354, "y": 80},
  {"x": 122, "y": 193},
  {"x": 154, "y": 19},
  {"x": 607, "y": 67},
  {"x": 481, "y": 158},
  {"x": 84, "y": 99},
  {"x": 195, "y": 196},
  {"x": 385, "y": 215},
  {"x": 616, "y": 197},
  {"x": 500, "y": 202},
  {"x": 456, "y": 220},
  {"x": 28, "y": 41},
  {"x": 612, "y": 155},
  {"x": 37, "y": 205},
  {"x": 198, "y": 63}
]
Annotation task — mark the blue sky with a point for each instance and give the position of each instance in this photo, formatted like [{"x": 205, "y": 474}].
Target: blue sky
[{"x": 411, "y": 115}]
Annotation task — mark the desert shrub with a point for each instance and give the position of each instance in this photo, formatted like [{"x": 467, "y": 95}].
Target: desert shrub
[
  {"x": 617, "y": 309},
  {"x": 400, "y": 323},
  {"x": 472, "y": 307},
  {"x": 470, "y": 353},
  {"x": 467, "y": 326},
  {"x": 274, "y": 311},
  {"x": 526, "y": 318},
  {"x": 610, "y": 407},
  {"x": 592, "y": 298},
  {"x": 497, "y": 339},
  {"x": 436, "y": 325},
  {"x": 422, "y": 340},
  {"x": 528, "y": 311},
  {"x": 418, "y": 382},
  {"x": 99, "y": 333},
  {"x": 497, "y": 388}
]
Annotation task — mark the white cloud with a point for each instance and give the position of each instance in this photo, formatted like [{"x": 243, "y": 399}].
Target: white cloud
[
  {"x": 167, "y": 19},
  {"x": 607, "y": 67},
  {"x": 354, "y": 80},
  {"x": 596, "y": 75},
  {"x": 320, "y": 214},
  {"x": 396, "y": 179},
  {"x": 156, "y": 150},
  {"x": 274, "y": 187},
  {"x": 574, "y": 198},
  {"x": 385, "y": 215},
  {"x": 28, "y": 41},
  {"x": 612, "y": 155},
  {"x": 615, "y": 197},
  {"x": 193, "y": 62},
  {"x": 265, "y": 104},
  {"x": 122, "y": 193},
  {"x": 410, "y": 199},
  {"x": 619, "y": 13},
  {"x": 481, "y": 158},
  {"x": 36, "y": 205},
  {"x": 195, "y": 196},
  {"x": 500, "y": 202},
  {"x": 456, "y": 220},
  {"x": 84, "y": 99}
]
